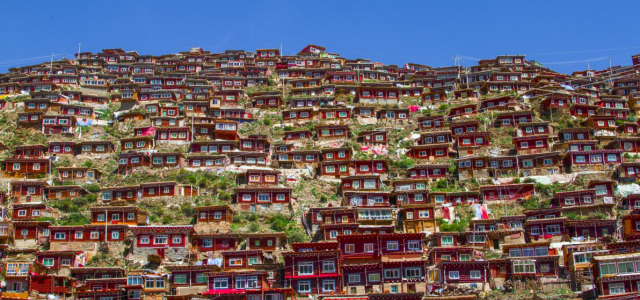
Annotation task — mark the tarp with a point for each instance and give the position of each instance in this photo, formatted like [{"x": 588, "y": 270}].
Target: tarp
[
  {"x": 627, "y": 189},
  {"x": 149, "y": 131}
]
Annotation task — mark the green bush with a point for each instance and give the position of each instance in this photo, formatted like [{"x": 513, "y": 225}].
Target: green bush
[
  {"x": 254, "y": 227},
  {"x": 93, "y": 188},
  {"x": 76, "y": 219},
  {"x": 279, "y": 223},
  {"x": 455, "y": 226},
  {"x": 297, "y": 235}
]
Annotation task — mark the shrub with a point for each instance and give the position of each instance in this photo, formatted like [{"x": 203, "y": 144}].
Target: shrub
[
  {"x": 93, "y": 188},
  {"x": 254, "y": 227},
  {"x": 224, "y": 196},
  {"x": 278, "y": 223},
  {"x": 297, "y": 235},
  {"x": 76, "y": 219}
]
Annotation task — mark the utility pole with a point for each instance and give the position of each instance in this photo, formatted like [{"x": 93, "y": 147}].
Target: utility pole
[
  {"x": 51, "y": 66},
  {"x": 610, "y": 70},
  {"x": 78, "y": 53},
  {"x": 280, "y": 49}
]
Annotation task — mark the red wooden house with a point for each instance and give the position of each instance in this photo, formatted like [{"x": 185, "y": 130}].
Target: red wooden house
[
  {"x": 173, "y": 134},
  {"x": 127, "y": 162},
  {"x": 428, "y": 138},
  {"x": 463, "y": 272},
  {"x": 438, "y": 151},
  {"x": 56, "y": 147},
  {"x": 27, "y": 190},
  {"x": 263, "y": 195},
  {"x": 377, "y": 95},
  {"x": 583, "y": 110},
  {"x": 166, "y": 159},
  {"x": 297, "y": 135},
  {"x": 217, "y": 213},
  {"x": 30, "y": 211},
  {"x": 209, "y": 242},
  {"x": 27, "y": 166},
  {"x": 241, "y": 259},
  {"x": 335, "y": 168},
  {"x": 471, "y": 142},
  {"x": 615, "y": 275},
  {"x": 463, "y": 110},
  {"x": 592, "y": 160},
  {"x": 371, "y": 166},
  {"x": 506, "y": 192},
  {"x": 513, "y": 118},
  {"x": 58, "y": 124},
  {"x": 531, "y": 144},
  {"x": 592, "y": 229},
  {"x": 168, "y": 242},
  {"x": 51, "y": 284},
  {"x": 27, "y": 234},
  {"x": 255, "y": 143},
  {"x": 465, "y": 126},
  {"x": 268, "y": 241},
  {"x": 332, "y": 132},
  {"x": 313, "y": 268},
  {"x": 122, "y": 214},
  {"x": 186, "y": 279},
  {"x": 57, "y": 259},
  {"x": 360, "y": 182},
  {"x": 22, "y": 151},
  {"x": 428, "y": 171},
  {"x": 548, "y": 228},
  {"x": 431, "y": 123},
  {"x": 216, "y": 147}
]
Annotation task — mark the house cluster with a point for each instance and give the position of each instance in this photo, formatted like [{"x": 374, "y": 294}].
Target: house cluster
[{"x": 504, "y": 175}]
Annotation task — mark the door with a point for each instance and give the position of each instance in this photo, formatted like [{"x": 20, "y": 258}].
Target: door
[
  {"x": 161, "y": 252},
  {"x": 496, "y": 244}
]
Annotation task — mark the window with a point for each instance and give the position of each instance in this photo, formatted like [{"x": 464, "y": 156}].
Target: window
[
  {"x": 235, "y": 261},
  {"x": 601, "y": 189},
  {"x": 328, "y": 285},
  {"x": 201, "y": 278},
  {"x": 374, "y": 277},
  {"x": 569, "y": 201},
  {"x": 616, "y": 288},
  {"x": 524, "y": 266},
  {"x": 475, "y": 274},
  {"x": 446, "y": 241},
  {"x": 542, "y": 251},
  {"x": 180, "y": 278},
  {"x": 115, "y": 235},
  {"x": 392, "y": 273},
  {"x": 304, "y": 286},
  {"x": 552, "y": 229},
  {"x": 47, "y": 262},
  {"x": 414, "y": 272},
  {"x": 220, "y": 283},
  {"x": 349, "y": 248},
  {"x": 328, "y": 267},
  {"x": 368, "y": 248},
  {"x": 305, "y": 268},
  {"x": 59, "y": 236},
  {"x": 454, "y": 275},
  {"x": 354, "y": 278},
  {"x": 626, "y": 267},
  {"x": 392, "y": 245},
  {"x": 414, "y": 245},
  {"x": 160, "y": 239}
]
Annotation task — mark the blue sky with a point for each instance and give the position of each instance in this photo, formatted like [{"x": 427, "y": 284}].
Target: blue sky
[{"x": 563, "y": 34}]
